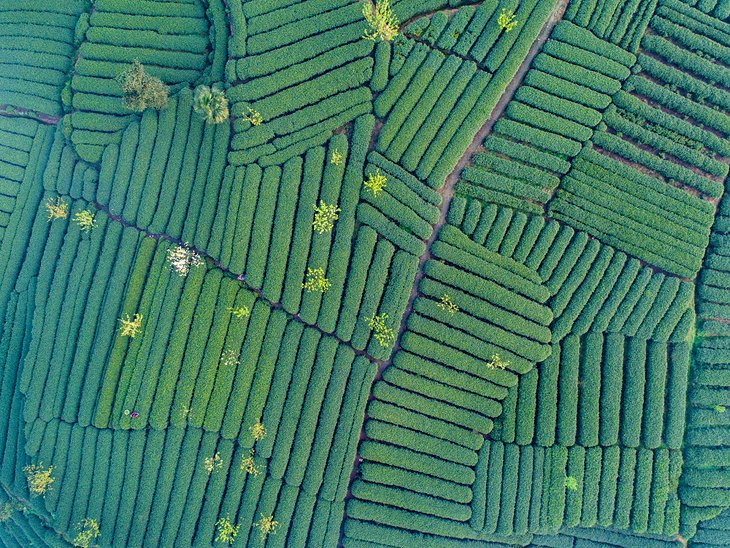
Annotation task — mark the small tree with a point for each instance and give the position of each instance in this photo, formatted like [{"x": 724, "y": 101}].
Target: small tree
[
  {"x": 497, "y": 363},
  {"x": 267, "y": 525},
  {"x": 226, "y": 530},
  {"x": 39, "y": 478},
  {"x": 337, "y": 158},
  {"x": 325, "y": 216},
  {"x": 239, "y": 312},
  {"x": 258, "y": 431},
  {"x": 375, "y": 182},
  {"x": 142, "y": 90},
  {"x": 181, "y": 259},
  {"x": 229, "y": 358},
  {"x": 316, "y": 281},
  {"x": 213, "y": 463},
  {"x": 130, "y": 326},
  {"x": 57, "y": 209},
  {"x": 381, "y": 19},
  {"x": 383, "y": 334},
  {"x": 507, "y": 20},
  {"x": 248, "y": 464},
  {"x": 571, "y": 483},
  {"x": 85, "y": 219},
  {"x": 254, "y": 116},
  {"x": 88, "y": 530},
  {"x": 211, "y": 104},
  {"x": 6, "y": 511}
]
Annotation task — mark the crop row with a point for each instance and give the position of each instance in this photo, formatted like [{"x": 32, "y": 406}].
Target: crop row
[
  {"x": 302, "y": 115},
  {"x": 551, "y": 115},
  {"x": 671, "y": 171},
  {"x": 695, "y": 41},
  {"x": 620, "y": 23},
  {"x": 687, "y": 60},
  {"x": 435, "y": 100},
  {"x": 713, "y": 531},
  {"x": 592, "y": 286},
  {"x": 438, "y": 394},
  {"x": 690, "y": 134},
  {"x": 473, "y": 33},
  {"x": 524, "y": 489},
  {"x": 108, "y": 475},
  {"x": 694, "y": 15},
  {"x": 601, "y": 389},
  {"x": 704, "y": 483},
  {"x": 311, "y": 400},
  {"x": 625, "y": 207},
  {"x": 176, "y": 51},
  {"x": 38, "y": 47},
  {"x": 404, "y": 211},
  {"x": 321, "y": 64},
  {"x": 668, "y": 144},
  {"x": 24, "y": 147},
  {"x": 150, "y": 181},
  {"x": 620, "y": 487},
  {"x": 230, "y": 227}
]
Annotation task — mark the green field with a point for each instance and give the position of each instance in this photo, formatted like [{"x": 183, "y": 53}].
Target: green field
[{"x": 321, "y": 273}]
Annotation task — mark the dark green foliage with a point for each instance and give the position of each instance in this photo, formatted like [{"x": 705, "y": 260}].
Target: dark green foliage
[{"x": 142, "y": 90}]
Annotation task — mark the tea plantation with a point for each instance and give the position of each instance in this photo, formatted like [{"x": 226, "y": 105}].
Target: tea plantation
[{"x": 391, "y": 273}]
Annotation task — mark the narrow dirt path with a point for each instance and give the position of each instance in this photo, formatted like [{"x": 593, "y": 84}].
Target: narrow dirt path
[
  {"x": 447, "y": 190},
  {"x": 447, "y": 194},
  {"x": 11, "y": 111}
]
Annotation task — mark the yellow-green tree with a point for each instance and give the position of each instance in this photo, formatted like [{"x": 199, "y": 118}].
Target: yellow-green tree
[
  {"x": 227, "y": 532},
  {"x": 88, "y": 531},
  {"x": 39, "y": 478},
  {"x": 507, "y": 20},
  {"x": 381, "y": 19}
]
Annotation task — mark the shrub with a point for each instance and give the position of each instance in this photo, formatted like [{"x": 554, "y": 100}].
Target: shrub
[
  {"x": 142, "y": 90},
  {"x": 181, "y": 259},
  {"x": 130, "y": 325},
  {"x": 325, "y": 216},
  {"x": 316, "y": 281},
  {"x": 375, "y": 182}
]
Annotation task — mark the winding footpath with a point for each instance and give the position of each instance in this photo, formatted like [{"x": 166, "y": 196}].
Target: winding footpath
[{"x": 447, "y": 194}]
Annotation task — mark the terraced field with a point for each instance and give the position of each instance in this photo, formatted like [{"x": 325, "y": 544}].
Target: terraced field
[{"x": 411, "y": 273}]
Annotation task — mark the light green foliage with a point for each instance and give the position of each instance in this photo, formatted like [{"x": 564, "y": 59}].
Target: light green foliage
[
  {"x": 447, "y": 304},
  {"x": 375, "y": 182},
  {"x": 131, "y": 326},
  {"x": 325, "y": 216},
  {"x": 384, "y": 334},
  {"x": 39, "y": 478},
  {"x": 382, "y": 21},
  {"x": 316, "y": 281},
  {"x": 57, "y": 209},
  {"x": 507, "y": 20},
  {"x": 88, "y": 531},
  {"x": 226, "y": 530}
]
